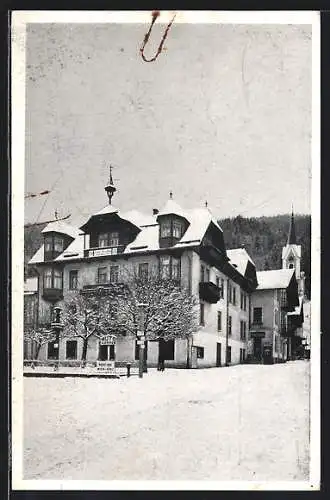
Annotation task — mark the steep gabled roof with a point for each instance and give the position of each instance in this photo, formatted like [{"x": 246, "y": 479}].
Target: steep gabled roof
[
  {"x": 278, "y": 278},
  {"x": 172, "y": 208},
  {"x": 239, "y": 258},
  {"x": 61, "y": 227}
]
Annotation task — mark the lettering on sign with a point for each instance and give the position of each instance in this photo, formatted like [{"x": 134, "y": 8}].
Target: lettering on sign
[
  {"x": 99, "y": 252},
  {"x": 105, "y": 366},
  {"x": 108, "y": 340}
]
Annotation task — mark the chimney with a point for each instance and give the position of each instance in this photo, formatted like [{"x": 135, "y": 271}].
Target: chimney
[{"x": 155, "y": 211}]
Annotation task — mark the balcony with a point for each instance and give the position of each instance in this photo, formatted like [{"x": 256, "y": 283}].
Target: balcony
[
  {"x": 209, "y": 292},
  {"x": 103, "y": 251},
  {"x": 104, "y": 289}
]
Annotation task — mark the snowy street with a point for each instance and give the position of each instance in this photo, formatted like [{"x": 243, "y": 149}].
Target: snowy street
[{"x": 245, "y": 422}]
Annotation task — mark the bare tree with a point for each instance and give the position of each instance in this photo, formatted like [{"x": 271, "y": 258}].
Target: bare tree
[
  {"x": 86, "y": 315},
  {"x": 158, "y": 307},
  {"x": 39, "y": 336}
]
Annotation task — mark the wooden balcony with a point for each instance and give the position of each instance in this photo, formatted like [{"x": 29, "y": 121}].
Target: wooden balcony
[
  {"x": 103, "y": 251},
  {"x": 209, "y": 292}
]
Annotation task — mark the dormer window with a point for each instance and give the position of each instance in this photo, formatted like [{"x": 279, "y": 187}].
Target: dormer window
[
  {"x": 109, "y": 239},
  {"x": 165, "y": 230},
  {"x": 177, "y": 229},
  {"x": 58, "y": 244}
]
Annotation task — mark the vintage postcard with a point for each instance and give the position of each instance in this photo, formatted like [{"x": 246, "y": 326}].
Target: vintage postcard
[{"x": 165, "y": 250}]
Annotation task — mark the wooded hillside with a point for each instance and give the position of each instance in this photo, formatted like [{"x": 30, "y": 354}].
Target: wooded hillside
[{"x": 264, "y": 238}]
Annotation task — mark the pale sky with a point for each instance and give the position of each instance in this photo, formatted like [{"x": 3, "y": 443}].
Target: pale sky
[{"x": 223, "y": 115}]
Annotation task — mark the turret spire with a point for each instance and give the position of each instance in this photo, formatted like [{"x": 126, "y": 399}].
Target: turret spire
[
  {"x": 110, "y": 188},
  {"x": 292, "y": 231}
]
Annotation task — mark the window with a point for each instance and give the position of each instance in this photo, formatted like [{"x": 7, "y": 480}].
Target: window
[
  {"x": 58, "y": 279},
  {"x": 103, "y": 240},
  {"x": 241, "y": 355},
  {"x": 71, "y": 349},
  {"x": 165, "y": 267},
  {"x": 58, "y": 244},
  {"x": 177, "y": 229},
  {"x": 228, "y": 354},
  {"x": 207, "y": 275},
  {"x": 106, "y": 352},
  {"x": 229, "y": 325},
  {"x": 143, "y": 271},
  {"x": 241, "y": 300},
  {"x": 234, "y": 295},
  {"x": 201, "y": 315},
  {"x": 48, "y": 278},
  {"x": 217, "y": 281},
  {"x": 73, "y": 280},
  {"x": 200, "y": 352},
  {"x": 137, "y": 351},
  {"x": 243, "y": 330},
  {"x": 48, "y": 244},
  {"x": 102, "y": 275},
  {"x": 202, "y": 271},
  {"x": 53, "y": 278},
  {"x": 52, "y": 350},
  {"x": 290, "y": 266},
  {"x": 219, "y": 321},
  {"x": 175, "y": 268},
  {"x": 109, "y": 239},
  {"x": 114, "y": 274},
  {"x": 257, "y": 315},
  {"x": 169, "y": 267},
  {"x": 222, "y": 288},
  {"x": 244, "y": 302},
  {"x": 229, "y": 293},
  {"x": 165, "y": 230}
]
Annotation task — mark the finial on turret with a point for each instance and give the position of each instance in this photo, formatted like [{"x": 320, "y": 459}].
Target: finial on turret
[{"x": 110, "y": 188}]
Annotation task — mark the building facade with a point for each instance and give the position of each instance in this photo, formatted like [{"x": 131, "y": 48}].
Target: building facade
[{"x": 186, "y": 246}]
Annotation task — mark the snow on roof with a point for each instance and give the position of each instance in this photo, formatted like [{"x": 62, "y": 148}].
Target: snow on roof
[
  {"x": 297, "y": 310},
  {"x": 31, "y": 285},
  {"x": 108, "y": 209},
  {"x": 138, "y": 218},
  {"x": 278, "y": 278},
  {"x": 171, "y": 207},
  {"x": 74, "y": 250},
  {"x": 147, "y": 239},
  {"x": 61, "y": 227},
  {"x": 38, "y": 256},
  {"x": 199, "y": 219},
  {"x": 239, "y": 258}
]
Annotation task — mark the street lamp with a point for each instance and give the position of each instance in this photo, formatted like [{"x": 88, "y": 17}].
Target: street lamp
[{"x": 141, "y": 337}]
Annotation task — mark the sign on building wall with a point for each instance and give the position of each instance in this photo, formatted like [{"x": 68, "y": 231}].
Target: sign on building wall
[
  {"x": 106, "y": 367},
  {"x": 103, "y": 252}
]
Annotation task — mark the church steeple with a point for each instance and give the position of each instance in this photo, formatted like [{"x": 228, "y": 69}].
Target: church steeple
[
  {"x": 110, "y": 188},
  {"x": 292, "y": 231}
]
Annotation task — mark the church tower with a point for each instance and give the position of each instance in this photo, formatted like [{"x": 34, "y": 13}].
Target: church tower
[{"x": 291, "y": 256}]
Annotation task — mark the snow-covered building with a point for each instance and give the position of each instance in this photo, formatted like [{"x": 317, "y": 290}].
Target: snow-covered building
[
  {"x": 277, "y": 313},
  {"x": 184, "y": 245}
]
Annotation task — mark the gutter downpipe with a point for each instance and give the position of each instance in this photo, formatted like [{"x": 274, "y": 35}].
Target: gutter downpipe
[
  {"x": 227, "y": 322},
  {"x": 189, "y": 338}
]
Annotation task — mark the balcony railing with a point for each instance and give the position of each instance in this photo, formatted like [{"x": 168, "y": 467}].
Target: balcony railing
[
  {"x": 209, "y": 292},
  {"x": 103, "y": 251},
  {"x": 104, "y": 289}
]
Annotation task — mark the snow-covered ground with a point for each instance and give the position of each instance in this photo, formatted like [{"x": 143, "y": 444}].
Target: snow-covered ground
[{"x": 246, "y": 422}]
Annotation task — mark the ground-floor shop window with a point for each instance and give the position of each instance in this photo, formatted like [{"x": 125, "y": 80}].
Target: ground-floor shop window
[
  {"x": 229, "y": 354},
  {"x": 71, "y": 349},
  {"x": 106, "y": 352},
  {"x": 242, "y": 354},
  {"x": 52, "y": 350}
]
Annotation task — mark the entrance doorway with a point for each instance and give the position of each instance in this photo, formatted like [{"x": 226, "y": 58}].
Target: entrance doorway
[
  {"x": 218, "y": 361},
  {"x": 257, "y": 352}
]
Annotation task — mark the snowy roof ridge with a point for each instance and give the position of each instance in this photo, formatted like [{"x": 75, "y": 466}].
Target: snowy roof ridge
[
  {"x": 275, "y": 278},
  {"x": 61, "y": 227}
]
